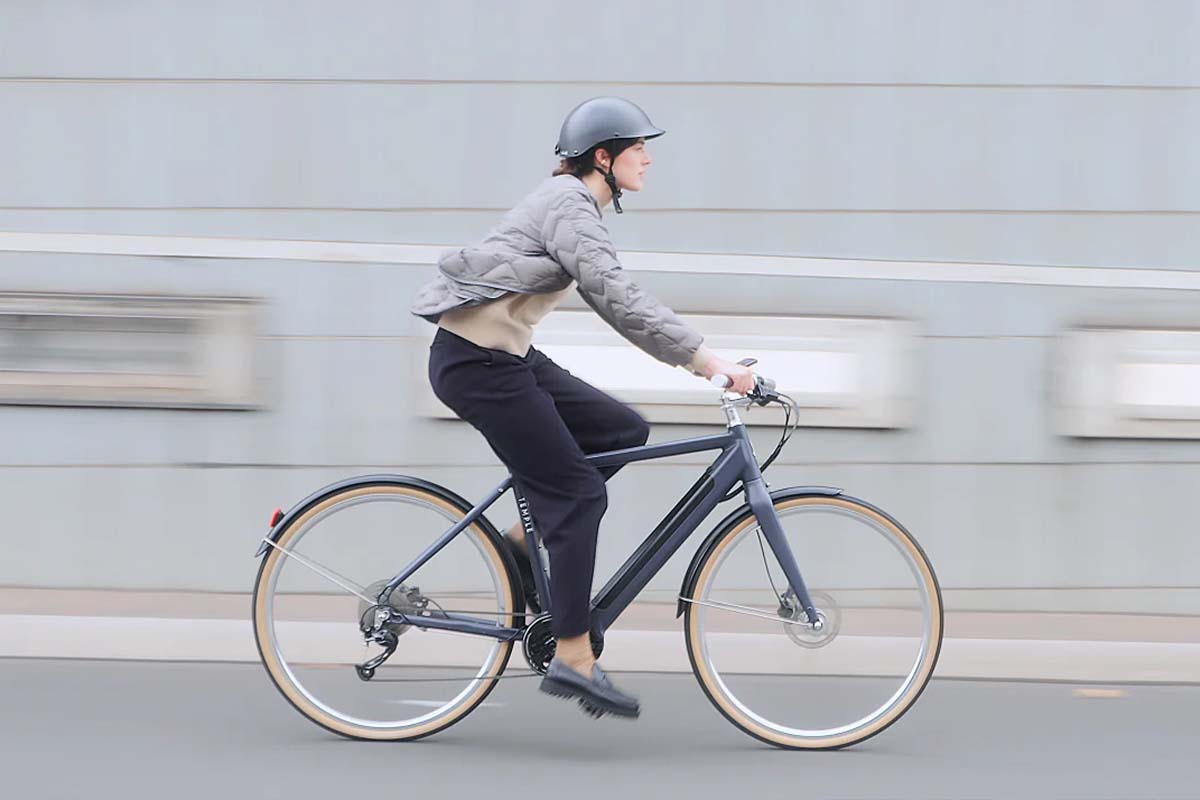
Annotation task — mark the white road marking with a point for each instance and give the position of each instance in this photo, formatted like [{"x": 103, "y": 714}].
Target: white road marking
[{"x": 440, "y": 703}]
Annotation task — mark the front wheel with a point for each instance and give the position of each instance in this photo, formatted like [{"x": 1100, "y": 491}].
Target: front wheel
[{"x": 776, "y": 677}]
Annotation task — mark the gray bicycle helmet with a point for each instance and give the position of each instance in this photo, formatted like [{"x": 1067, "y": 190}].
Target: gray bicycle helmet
[{"x": 599, "y": 120}]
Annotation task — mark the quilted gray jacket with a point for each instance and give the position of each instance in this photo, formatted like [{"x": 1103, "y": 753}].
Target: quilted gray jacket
[{"x": 555, "y": 236}]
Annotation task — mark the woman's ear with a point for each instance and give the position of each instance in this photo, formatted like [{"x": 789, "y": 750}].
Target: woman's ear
[{"x": 602, "y": 159}]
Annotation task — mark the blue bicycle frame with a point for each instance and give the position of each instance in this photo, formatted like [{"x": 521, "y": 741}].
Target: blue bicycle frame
[{"x": 735, "y": 463}]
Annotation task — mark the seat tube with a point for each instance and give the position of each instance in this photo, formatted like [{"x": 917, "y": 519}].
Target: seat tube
[
  {"x": 541, "y": 580},
  {"x": 768, "y": 521}
]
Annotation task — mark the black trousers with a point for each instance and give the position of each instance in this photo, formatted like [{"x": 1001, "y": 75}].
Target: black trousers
[{"x": 541, "y": 420}]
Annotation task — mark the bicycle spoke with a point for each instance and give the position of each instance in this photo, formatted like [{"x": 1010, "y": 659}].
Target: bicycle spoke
[{"x": 328, "y": 574}]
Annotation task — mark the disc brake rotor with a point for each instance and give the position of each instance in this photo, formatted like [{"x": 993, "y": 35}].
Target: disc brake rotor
[{"x": 798, "y": 628}]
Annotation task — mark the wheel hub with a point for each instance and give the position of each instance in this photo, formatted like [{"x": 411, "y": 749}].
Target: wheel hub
[
  {"x": 376, "y": 621},
  {"x": 803, "y": 632},
  {"x": 373, "y": 617}
]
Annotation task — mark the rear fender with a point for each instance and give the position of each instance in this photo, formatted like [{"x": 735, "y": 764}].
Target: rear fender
[{"x": 281, "y": 524}]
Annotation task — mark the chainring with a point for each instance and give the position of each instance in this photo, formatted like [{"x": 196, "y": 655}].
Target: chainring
[{"x": 538, "y": 644}]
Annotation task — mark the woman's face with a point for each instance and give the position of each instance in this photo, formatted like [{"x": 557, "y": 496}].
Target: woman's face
[{"x": 630, "y": 167}]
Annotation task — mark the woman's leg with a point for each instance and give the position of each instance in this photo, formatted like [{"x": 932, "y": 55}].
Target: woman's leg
[
  {"x": 599, "y": 423},
  {"x": 498, "y": 394}
]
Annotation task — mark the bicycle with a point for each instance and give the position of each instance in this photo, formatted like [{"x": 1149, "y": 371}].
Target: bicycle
[{"x": 801, "y": 668}]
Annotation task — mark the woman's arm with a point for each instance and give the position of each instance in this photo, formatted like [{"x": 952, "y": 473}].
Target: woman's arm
[{"x": 576, "y": 238}]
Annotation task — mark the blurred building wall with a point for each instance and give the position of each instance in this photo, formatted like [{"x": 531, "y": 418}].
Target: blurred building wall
[{"x": 1012, "y": 133}]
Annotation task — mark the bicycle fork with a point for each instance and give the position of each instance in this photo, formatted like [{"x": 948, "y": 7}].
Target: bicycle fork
[{"x": 768, "y": 522}]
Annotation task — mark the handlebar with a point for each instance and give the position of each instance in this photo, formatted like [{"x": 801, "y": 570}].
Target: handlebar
[{"x": 762, "y": 393}]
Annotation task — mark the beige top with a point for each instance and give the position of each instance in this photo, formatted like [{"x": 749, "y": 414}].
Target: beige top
[
  {"x": 507, "y": 323},
  {"x": 503, "y": 324}
]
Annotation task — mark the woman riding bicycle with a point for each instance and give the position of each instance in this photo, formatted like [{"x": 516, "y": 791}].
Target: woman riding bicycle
[{"x": 538, "y": 418}]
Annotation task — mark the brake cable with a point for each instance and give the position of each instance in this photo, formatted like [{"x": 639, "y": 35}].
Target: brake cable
[
  {"x": 788, "y": 407},
  {"x": 789, "y": 427}
]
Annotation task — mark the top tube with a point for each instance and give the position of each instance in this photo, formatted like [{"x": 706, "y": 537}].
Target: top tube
[{"x": 648, "y": 452}]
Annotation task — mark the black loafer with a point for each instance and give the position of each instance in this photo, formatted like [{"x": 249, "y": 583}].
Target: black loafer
[
  {"x": 597, "y": 696},
  {"x": 525, "y": 569}
]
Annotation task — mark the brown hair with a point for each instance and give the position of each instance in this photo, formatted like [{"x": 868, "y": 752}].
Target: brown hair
[
  {"x": 585, "y": 163},
  {"x": 577, "y": 165}
]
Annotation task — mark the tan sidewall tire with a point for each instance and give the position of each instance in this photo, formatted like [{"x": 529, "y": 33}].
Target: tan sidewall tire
[
  {"x": 303, "y": 704},
  {"x": 750, "y": 726}
]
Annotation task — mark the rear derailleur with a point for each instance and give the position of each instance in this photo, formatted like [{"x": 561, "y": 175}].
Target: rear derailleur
[{"x": 381, "y": 623}]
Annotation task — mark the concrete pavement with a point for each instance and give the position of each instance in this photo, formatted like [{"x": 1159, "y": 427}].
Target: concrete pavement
[{"x": 134, "y": 730}]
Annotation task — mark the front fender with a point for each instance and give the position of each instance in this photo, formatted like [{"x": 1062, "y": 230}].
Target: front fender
[{"x": 734, "y": 517}]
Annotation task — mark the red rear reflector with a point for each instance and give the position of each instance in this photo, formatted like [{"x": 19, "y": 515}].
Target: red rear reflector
[{"x": 276, "y": 516}]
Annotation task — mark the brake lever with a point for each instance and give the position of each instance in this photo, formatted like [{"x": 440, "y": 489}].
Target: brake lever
[{"x": 764, "y": 391}]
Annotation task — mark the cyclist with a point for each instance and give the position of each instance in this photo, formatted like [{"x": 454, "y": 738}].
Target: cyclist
[{"x": 538, "y": 418}]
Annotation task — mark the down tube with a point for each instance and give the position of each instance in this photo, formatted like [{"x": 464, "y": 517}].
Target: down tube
[{"x": 667, "y": 537}]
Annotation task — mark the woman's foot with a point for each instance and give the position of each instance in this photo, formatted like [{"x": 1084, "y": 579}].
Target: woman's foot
[
  {"x": 574, "y": 673},
  {"x": 596, "y": 694}
]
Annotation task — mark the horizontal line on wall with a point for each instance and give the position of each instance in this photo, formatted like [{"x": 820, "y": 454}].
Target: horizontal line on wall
[
  {"x": 1081, "y": 588},
  {"x": 1068, "y": 212},
  {"x": 418, "y": 338},
  {"x": 143, "y": 591},
  {"x": 1000, "y": 337},
  {"x": 423, "y": 339},
  {"x": 350, "y": 337},
  {"x": 1124, "y": 87},
  {"x": 678, "y": 462},
  {"x": 686, "y": 263}
]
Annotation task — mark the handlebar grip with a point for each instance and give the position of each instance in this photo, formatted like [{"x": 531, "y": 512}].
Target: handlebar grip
[{"x": 720, "y": 381}]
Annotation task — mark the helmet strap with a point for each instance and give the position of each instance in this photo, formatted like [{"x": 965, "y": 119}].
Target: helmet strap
[{"x": 611, "y": 180}]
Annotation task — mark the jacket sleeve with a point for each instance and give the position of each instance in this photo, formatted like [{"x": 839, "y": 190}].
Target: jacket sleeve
[{"x": 576, "y": 238}]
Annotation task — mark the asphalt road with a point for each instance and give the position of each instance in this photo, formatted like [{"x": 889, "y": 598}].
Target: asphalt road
[{"x": 95, "y": 729}]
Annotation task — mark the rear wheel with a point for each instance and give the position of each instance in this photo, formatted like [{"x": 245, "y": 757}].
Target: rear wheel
[
  {"x": 316, "y": 589},
  {"x": 776, "y": 677}
]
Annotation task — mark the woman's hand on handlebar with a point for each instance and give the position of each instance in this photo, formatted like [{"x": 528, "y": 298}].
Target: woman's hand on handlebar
[{"x": 742, "y": 378}]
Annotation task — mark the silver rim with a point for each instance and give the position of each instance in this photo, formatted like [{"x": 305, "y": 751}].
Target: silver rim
[
  {"x": 486, "y": 671},
  {"x": 897, "y": 698}
]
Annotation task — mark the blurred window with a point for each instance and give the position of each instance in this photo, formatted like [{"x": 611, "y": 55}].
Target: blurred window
[
  {"x": 114, "y": 350},
  {"x": 1128, "y": 383},
  {"x": 844, "y": 371}
]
